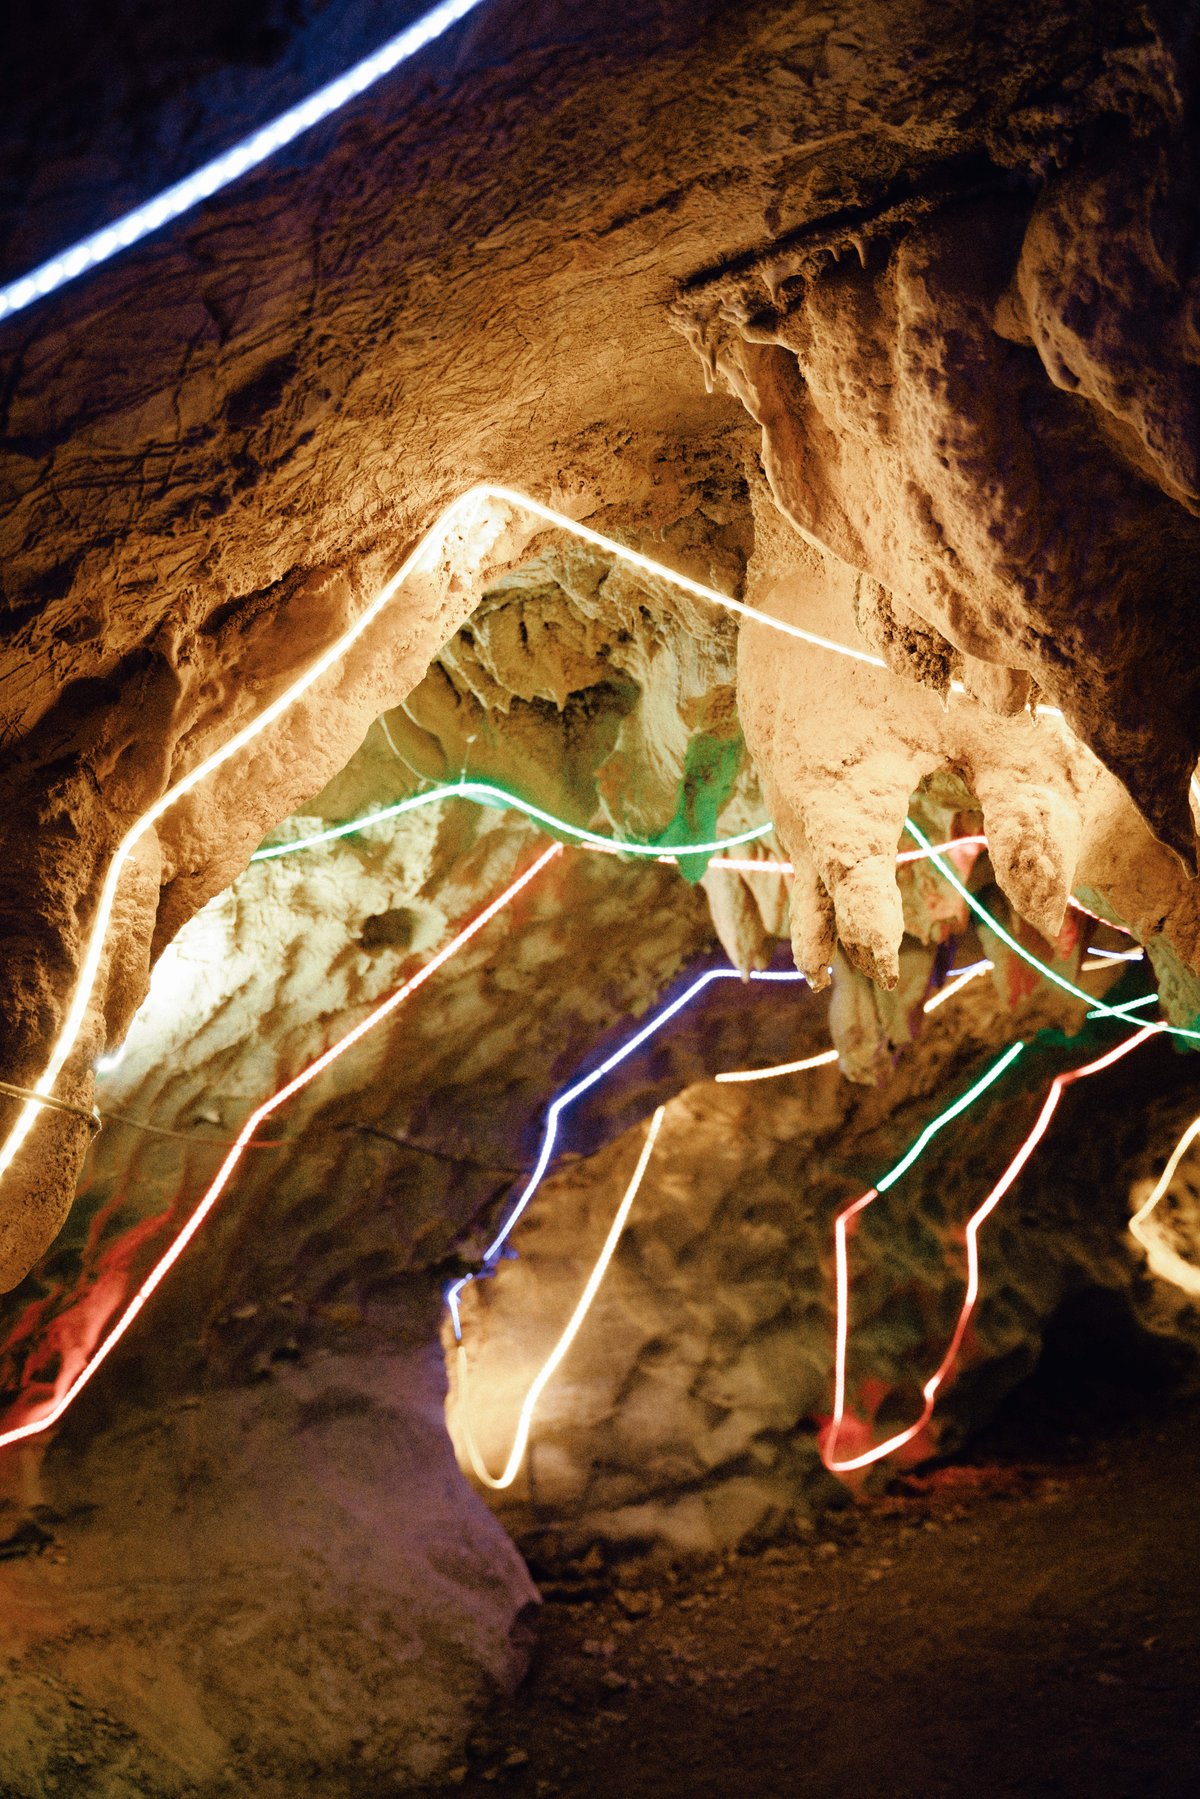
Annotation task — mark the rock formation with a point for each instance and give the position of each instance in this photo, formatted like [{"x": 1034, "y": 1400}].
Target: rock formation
[{"x": 881, "y": 320}]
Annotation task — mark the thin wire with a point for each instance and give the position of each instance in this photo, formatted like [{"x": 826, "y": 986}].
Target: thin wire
[{"x": 90, "y": 1116}]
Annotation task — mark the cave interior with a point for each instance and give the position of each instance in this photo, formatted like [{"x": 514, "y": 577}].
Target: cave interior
[{"x": 600, "y": 1188}]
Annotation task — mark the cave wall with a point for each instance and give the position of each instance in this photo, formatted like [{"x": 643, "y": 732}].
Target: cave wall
[
  {"x": 293, "y": 383},
  {"x": 940, "y": 274},
  {"x": 688, "y": 1417}
]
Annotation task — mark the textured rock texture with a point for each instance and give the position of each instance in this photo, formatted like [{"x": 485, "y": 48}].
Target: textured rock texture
[
  {"x": 959, "y": 407},
  {"x": 940, "y": 271},
  {"x": 218, "y": 446},
  {"x": 842, "y": 747},
  {"x": 289, "y": 1585},
  {"x": 686, "y": 1417}
]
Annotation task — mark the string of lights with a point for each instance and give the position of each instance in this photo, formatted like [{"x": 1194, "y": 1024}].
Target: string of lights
[{"x": 830, "y": 1437}]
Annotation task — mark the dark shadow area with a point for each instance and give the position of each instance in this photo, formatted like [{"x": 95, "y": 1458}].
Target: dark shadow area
[
  {"x": 1100, "y": 1376},
  {"x": 1025, "y": 1620}
]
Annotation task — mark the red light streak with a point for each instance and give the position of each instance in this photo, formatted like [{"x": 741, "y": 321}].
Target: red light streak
[
  {"x": 1078, "y": 906},
  {"x": 166, "y": 1262},
  {"x": 72, "y": 1387},
  {"x": 829, "y": 1436}
]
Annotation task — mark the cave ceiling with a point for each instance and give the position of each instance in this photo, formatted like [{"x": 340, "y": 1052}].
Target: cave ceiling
[
  {"x": 879, "y": 319},
  {"x": 910, "y": 279}
]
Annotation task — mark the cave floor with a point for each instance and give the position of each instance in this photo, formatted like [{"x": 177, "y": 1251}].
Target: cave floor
[{"x": 1027, "y": 1621}]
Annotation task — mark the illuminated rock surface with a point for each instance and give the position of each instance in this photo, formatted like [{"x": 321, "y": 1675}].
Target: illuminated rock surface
[{"x": 940, "y": 278}]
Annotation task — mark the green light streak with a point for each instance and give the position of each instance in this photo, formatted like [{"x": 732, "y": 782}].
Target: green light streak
[
  {"x": 952, "y": 1111},
  {"x": 1018, "y": 949},
  {"x": 486, "y": 794},
  {"x": 1129, "y": 1005}
]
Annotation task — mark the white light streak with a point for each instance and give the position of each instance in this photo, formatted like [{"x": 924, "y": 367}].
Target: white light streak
[
  {"x": 769, "y": 1074},
  {"x": 208, "y": 180},
  {"x": 545, "y": 1374},
  {"x": 1164, "y": 1261}
]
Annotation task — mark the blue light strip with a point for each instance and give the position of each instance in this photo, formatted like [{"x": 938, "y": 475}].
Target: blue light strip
[
  {"x": 567, "y": 1098},
  {"x": 174, "y": 201}
]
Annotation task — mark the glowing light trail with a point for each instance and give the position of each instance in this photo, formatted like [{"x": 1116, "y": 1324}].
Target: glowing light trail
[
  {"x": 945, "y": 1117},
  {"x": 1058, "y": 1086},
  {"x": 744, "y": 865},
  {"x": 1078, "y": 906},
  {"x": 486, "y": 793},
  {"x": 1126, "y": 1007},
  {"x": 961, "y": 980},
  {"x": 953, "y": 843},
  {"x": 824, "y": 1060},
  {"x": 220, "y": 1181},
  {"x": 459, "y": 512},
  {"x": 1051, "y": 974},
  {"x": 546, "y": 1373},
  {"x": 1164, "y": 1261},
  {"x": 233, "y": 163},
  {"x": 566, "y": 1099}
]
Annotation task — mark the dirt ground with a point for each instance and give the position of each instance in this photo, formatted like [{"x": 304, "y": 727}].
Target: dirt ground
[{"x": 1026, "y": 1621}]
